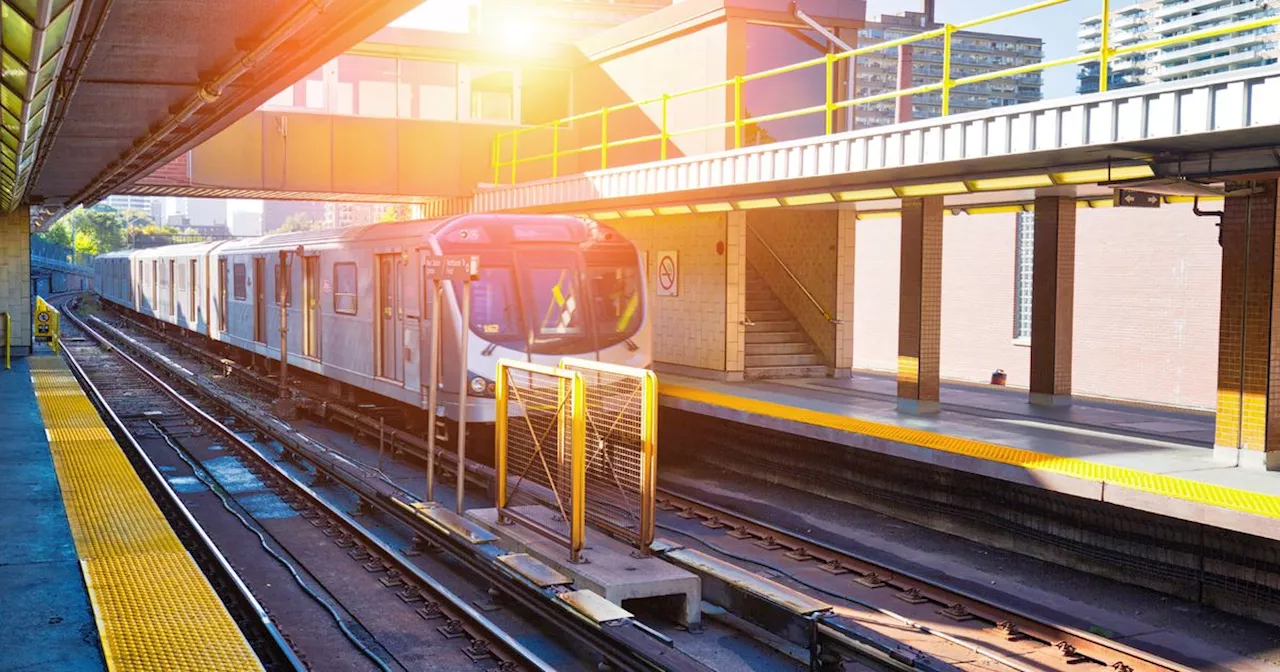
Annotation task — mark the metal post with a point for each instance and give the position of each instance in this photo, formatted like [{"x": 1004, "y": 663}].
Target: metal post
[
  {"x": 463, "y": 336},
  {"x": 1103, "y": 53},
  {"x": 946, "y": 69},
  {"x": 497, "y": 158},
  {"x": 433, "y": 389},
  {"x": 577, "y": 524},
  {"x": 515, "y": 144},
  {"x": 831, "y": 94},
  {"x": 500, "y": 442},
  {"x": 283, "y": 294},
  {"x": 737, "y": 112},
  {"x": 555, "y": 149},
  {"x": 666, "y": 135},
  {"x": 604, "y": 138}
]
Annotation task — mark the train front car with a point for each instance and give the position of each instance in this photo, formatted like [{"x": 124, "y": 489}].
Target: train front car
[{"x": 549, "y": 287}]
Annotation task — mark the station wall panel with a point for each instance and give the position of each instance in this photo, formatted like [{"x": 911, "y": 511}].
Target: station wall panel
[
  {"x": 689, "y": 329},
  {"x": 232, "y": 158},
  {"x": 15, "y": 276}
]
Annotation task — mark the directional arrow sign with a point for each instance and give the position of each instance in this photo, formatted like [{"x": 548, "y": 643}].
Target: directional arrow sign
[{"x": 1128, "y": 198}]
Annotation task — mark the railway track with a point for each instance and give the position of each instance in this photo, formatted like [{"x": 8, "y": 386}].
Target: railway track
[
  {"x": 626, "y": 644},
  {"x": 391, "y": 616},
  {"x": 887, "y": 601}
]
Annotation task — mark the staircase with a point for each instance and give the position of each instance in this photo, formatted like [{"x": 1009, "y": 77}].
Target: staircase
[{"x": 777, "y": 346}]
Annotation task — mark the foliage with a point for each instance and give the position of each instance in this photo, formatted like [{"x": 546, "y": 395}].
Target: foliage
[
  {"x": 299, "y": 221},
  {"x": 101, "y": 229}
]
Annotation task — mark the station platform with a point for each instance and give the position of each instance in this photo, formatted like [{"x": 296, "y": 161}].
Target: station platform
[
  {"x": 1149, "y": 458},
  {"x": 91, "y": 574}
]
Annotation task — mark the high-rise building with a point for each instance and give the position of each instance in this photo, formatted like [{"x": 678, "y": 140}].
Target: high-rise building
[
  {"x": 154, "y": 207},
  {"x": 246, "y": 223},
  {"x": 972, "y": 53},
  {"x": 1150, "y": 20},
  {"x": 207, "y": 213}
]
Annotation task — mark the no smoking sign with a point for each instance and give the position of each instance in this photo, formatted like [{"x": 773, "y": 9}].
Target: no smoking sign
[{"x": 668, "y": 273}]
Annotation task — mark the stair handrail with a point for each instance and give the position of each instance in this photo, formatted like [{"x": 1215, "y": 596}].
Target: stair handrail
[{"x": 826, "y": 315}]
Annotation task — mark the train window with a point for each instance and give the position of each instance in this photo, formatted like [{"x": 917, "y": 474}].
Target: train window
[
  {"x": 345, "y": 287},
  {"x": 493, "y": 303},
  {"x": 616, "y": 291},
  {"x": 555, "y": 301},
  {"x": 239, "y": 288}
]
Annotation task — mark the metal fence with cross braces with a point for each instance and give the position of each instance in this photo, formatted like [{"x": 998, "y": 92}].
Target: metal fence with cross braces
[
  {"x": 621, "y": 404},
  {"x": 539, "y": 442}
]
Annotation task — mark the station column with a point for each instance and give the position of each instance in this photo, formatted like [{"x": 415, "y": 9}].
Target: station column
[
  {"x": 920, "y": 304},
  {"x": 15, "y": 277},
  {"x": 1052, "y": 299},
  {"x": 1247, "y": 427}
]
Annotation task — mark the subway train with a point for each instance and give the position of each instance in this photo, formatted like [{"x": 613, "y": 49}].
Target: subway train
[{"x": 358, "y": 300}]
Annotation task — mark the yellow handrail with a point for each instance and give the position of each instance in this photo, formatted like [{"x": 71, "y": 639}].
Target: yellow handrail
[{"x": 738, "y": 121}]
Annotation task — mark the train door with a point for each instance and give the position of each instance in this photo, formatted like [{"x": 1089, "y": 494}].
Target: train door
[
  {"x": 192, "y": 274},
  {"x": 173, "y": 295},
  {"x": 223, "y": 281},
  {"x": 387, "y": 336},
  {"x": 155, "y": 288},
  {"x": 311, "y": 307},
  {"x": 260, "y": 300}
]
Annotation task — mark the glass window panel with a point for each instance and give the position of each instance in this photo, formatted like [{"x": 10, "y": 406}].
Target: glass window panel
[
  {"x": 544, "y": 95},
  {"x": 345, "y": 288},
  {"x": 239, "y": 282},
  {"x": 55, "y": 35},
  {"x": 15, "y": 74},
  {"x": 428, "y": 90},
  {"x": 367, "y": 85},
  {"x": 10, "y": 122},
  {"x": 492, "y": 93},
  {"x": 555, "y": 298},
  {"x": 616, "y": 291},
  {"x": 10, "y": 101},
  {"x": 494, "y": 311},
  {"x": 15, "y": 33}
]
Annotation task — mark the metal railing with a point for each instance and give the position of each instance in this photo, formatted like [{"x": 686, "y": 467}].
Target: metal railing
[
  {"x": 826, "y": 314},
  {"x": 540, "y": 430},
  {"x": 508, "y": 144},
  {"x": 621, "y": 407}
]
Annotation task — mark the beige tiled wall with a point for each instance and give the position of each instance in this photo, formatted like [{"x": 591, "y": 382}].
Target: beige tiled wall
[
  {"x": 15, "y": 276},
  {"x": 690, "y": 329},
  {"x": 735, "y": 293}
]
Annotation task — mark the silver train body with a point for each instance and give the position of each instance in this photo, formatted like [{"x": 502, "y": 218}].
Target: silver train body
[{"x": 358, "y": 301}]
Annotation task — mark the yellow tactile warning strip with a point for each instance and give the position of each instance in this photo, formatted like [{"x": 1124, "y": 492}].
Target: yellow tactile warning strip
[
  {"x": 1204, "y": 493},
  {"x": 155, "y": 609}
]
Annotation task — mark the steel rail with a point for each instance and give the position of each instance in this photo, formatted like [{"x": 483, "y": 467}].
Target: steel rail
[
  {"x": 628, "y": 645},
  {"x": 1010, "y": 620}
]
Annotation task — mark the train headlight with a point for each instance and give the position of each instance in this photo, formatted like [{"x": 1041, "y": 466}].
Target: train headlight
[{"x": 479, "y": 385}]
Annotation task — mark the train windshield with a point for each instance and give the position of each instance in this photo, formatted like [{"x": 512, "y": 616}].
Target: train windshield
[{"x": 558, "y": 302}]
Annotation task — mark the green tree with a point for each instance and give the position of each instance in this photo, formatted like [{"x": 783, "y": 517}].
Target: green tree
[
  {"x": 96, "y": 231},
  {"x": 298, "y": 221}
]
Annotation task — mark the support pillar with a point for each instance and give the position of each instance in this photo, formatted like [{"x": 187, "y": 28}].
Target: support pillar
[
  {"x": 1247, "y": 426},
  {"x": 735, "y": 295},
  {"x": 1052, "y": 299},
  {"x": 15, "y": 277},
  {"x": 846, "y": 238},
  {"x": 920, "y": 305}
]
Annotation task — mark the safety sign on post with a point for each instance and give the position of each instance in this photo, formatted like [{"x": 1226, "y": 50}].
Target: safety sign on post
[
  {"x": 668, "y": 273},
  {"x": 46, "y": 323}
]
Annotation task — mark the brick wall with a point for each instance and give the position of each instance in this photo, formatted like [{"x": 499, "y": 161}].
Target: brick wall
[
  {"x": 807, "y": 242},
  {"x": 1146, "y": 303},
  {"x": 15, "y": 276},
  {"x": 689, "y": 329}
]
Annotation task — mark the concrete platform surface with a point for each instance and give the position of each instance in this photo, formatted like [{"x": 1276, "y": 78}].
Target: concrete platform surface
[
  {"x": 46, "y": 621},
  {"x": 1146, "y": 458},
  {"x": 610, "y": 568}
]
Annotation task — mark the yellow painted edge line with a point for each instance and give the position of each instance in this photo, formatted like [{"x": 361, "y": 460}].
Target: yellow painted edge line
[
  {"x": 1204, "y": 493},
  {"x": 114, "y": 522}
]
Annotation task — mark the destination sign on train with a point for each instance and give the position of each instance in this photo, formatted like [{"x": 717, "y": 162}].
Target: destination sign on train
[{"x": 453, "y": 267}]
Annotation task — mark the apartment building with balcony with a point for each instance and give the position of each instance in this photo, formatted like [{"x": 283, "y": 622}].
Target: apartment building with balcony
[
  {"x": 972, "y": 53},
  {"x": 1150, "y": 20}
]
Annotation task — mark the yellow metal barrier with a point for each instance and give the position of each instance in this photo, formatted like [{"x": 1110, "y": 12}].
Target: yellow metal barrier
[
  {"x": 540, "y": 429},
  {"x": 46, "y": 323},
  {"x": 621, "y": 407},
  {"x": 738, "y": 123}
]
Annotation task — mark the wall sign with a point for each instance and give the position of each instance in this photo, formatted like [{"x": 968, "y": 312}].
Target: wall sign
[{"x": 668, "y": 275}]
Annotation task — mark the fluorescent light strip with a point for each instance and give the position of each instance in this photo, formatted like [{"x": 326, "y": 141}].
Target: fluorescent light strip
[
  {"x": 809, "y": 199},
  {"x": 939, "y": 189},
  {"x": 867, "y": 194},
  {"x": 1017, "y": 182},
  {"x": 756, "y": 203},
  {"x": 674, "y": 210},
  {"x": 604, "y": 215},
  {"x": 712, "y": 207},
  {"x": 638, "y": 212},
  {"x": 1112, "y": 174}
]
